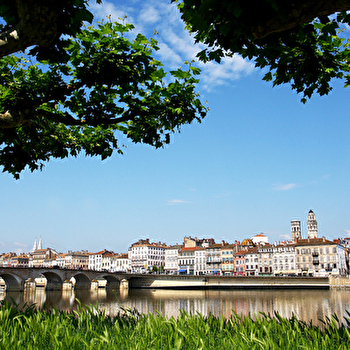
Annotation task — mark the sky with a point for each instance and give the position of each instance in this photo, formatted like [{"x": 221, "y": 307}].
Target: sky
[{"x": 260, "y": 159}]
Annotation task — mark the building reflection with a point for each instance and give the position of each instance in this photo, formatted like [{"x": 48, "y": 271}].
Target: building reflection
[{"x": 307, "y": 305}]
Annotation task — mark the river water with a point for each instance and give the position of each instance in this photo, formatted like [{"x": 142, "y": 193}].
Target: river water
[{"x": 307, "y": 305}]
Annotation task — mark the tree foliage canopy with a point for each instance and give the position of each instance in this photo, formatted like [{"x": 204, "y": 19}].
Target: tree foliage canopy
[
  {"x": 299, "y": 42},
  {"x": 100, "y": 85}
]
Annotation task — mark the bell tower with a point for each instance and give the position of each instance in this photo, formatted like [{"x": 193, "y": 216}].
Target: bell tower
[
  {"x": 296, "y": 231},
  {"x": 311, "y": 225}
]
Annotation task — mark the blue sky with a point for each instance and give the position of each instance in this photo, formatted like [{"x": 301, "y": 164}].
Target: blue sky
[{"x": 259, "y": 160}]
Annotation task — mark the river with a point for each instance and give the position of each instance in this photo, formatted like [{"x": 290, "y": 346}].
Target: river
[{"x": 307, "y": 305}]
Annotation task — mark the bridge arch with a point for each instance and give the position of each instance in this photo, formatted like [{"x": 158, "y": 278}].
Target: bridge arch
[
  {"x": 112, "y": 281},
  {"x": 54, "y": 281},
  {"x": 13, "y": 282},
  {"x": 81, "y": 281}
]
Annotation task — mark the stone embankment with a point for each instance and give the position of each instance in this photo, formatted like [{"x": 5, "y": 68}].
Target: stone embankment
[{"x": 339, "y": 283}]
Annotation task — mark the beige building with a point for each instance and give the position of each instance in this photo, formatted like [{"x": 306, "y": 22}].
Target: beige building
[
  {"x": 319, "y": 256},
  {"x": 43, "y": 258}
]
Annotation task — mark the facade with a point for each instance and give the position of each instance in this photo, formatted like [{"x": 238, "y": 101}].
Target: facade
[
  {"x": 171, "y": 265},
  {"x": 252, "y": 262},
  {"x": 21, "y": 260},
  {"x": 95, "y": 260},
  {"x": 78, "y": 260},
  {"x": 239, "y": 263},
  {"x": 200, "y": 261},
  {"x": 319, "y": 256},
  {"x": 61, "y": 260},
  {"x": 43, "y": 258},
  {"x": 120, "y": 263},
  {"x": 186, "y": 260},
  {"x": 227, "y": 266},
  {"x": 284, "y": 260},
  {"x": 213, "y": 254},
  {"x": 265, "y": 260},
  {"x": 144, "y": 255}
]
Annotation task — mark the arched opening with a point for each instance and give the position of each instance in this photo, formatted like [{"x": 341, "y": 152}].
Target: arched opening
[
  {"x": 54, "y": 281},
  {"x": 112, "y": 282},
  {"x": 13, "y": 283},
  {"x": 81, "y": 281}
]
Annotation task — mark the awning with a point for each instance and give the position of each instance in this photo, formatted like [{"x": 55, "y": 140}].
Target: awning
[{"x": 182, "y": 270}]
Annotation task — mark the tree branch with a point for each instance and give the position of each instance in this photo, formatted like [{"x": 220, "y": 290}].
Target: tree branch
[
  {"x": 69, "y": 120},
  {"x": 37, "y": 25},
  {"x": 298, "y": 12}
]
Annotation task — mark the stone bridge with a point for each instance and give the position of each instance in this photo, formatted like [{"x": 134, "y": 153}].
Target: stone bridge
[{"x": 16, "y": 279}]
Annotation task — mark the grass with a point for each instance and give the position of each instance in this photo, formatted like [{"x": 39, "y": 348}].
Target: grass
[{"x": 86, "y": 328}]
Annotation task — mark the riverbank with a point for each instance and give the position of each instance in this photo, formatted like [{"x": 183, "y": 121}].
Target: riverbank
[{"x": 89, "y": 329}]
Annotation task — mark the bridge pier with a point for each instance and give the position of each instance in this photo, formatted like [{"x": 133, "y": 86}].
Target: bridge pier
[{"x": 124, "y": 284}]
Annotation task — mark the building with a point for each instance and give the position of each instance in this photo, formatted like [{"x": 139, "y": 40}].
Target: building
[
  {"x": 21, "y": 260},
  {"x": 171, "y": 265},
  {"x": 43, "y": 258},
  {"x": 260, "y": 239},
  {"x": 200, "y": 261},
  {"x": 227, "y": 266},
  {"x": 239, "y": 263},
  {"x": 265, "y": 255},
  {"x": 319, "y": 256},
  {"x": 252, "y": 262},
  {"x": 213, "y": 254},
  {"x": 95, "y": 260},
  {"x": 284, "y": 259},
  {"x": 78, "y": 260},
  {"x": 120, "y": 263},
  {"x": 146, "y": 255}
]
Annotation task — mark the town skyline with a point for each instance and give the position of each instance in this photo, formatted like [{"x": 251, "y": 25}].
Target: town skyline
[{"x": 259, "y": 159}]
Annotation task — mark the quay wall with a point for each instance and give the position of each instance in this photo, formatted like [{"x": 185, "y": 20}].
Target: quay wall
[
  {"x": 338, "y": 282},
  {"x": 218, "y": 282}
]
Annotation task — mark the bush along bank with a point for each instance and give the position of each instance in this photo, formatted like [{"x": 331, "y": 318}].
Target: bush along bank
[{"x": 86, "y": 328}]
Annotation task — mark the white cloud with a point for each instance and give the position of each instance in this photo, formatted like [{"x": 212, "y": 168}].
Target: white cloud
[
  {"x": 231, "y": 68},
  {"x": 169, "y": 55},
  {"x": 109, "y": 9},
  {"x": 175, "y": 201},
  {"x": 150, "y": 15},
  {"x": 175, "y": 43},
  {"x": 284, "y": 187},
  {"x": 347, "y": 232}
]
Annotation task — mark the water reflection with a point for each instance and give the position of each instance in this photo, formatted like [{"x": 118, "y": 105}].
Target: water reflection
[{"x": 307, "y": 305}]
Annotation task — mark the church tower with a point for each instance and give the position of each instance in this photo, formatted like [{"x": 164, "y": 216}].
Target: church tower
[
  {"x": 296, "y": 231},
  {"x": 35, "y": 246},
  {"x": 311, "y": 225}
]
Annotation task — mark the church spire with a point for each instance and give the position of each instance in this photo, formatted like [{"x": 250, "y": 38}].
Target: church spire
[
  {"x": 39, "y": 245},
  {"x": 34, "y": 246}
]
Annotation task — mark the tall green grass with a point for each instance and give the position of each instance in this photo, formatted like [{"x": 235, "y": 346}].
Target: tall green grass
[{"x": 86, "y": 328}]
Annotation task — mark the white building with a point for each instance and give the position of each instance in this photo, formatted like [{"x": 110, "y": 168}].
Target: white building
[
  {"x": 260, "y": 239},
  {"x": 284, "y": 259},
  {"x": 171, "y": 259},
  {"x": 120, "y": 263},
  {"x": 95, "y": 260},
  {"x": 200, "y": 261},
  {"x": 145, "y": 255}
]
